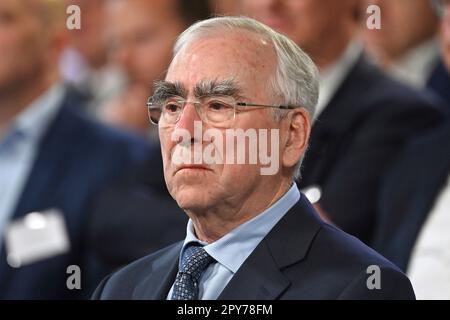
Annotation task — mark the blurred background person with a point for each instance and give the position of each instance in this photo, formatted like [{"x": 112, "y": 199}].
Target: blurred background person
[
  {"x": 407, "y": 45},
  {"x": 85, "y": 63},
  {"x": 141, "y": 34},
  {"x": 445, "y": 44},
  {"x": 53, "y": 160},
  {"x": 136, "y": 215},
  {"x": 440, "y": 80},
  {"x": 363, "y": 117},
  {"x": 224, "y": 7},
  {"x": 414, "y": 224}
]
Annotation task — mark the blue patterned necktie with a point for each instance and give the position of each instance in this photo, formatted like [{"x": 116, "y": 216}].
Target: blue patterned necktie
[{"x": 194, "y": 261}]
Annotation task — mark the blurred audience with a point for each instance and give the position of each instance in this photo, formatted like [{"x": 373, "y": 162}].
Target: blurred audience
[
  {"x": 136, "y": 215},
  {"x": 364, "y": 118},
  {"x": 414, "y": 224},
  {"x": 407, "y": 45},
  {"x": 377, "y": 165},
  {"x": 85, "y": 64},
  {"x": 141, "y": 34},
  {"x": 224, "y": 7},
  {"x": 53, "y": 160}
]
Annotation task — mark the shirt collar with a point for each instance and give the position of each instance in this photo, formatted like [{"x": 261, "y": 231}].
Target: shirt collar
[
  {"x": 34, "y": 120},
  {"x": 417, "y": 64},
  {"x": 30, "y": 124},
  {"x": 332, "y": 77},
  {"x": 234, "y": 248}
]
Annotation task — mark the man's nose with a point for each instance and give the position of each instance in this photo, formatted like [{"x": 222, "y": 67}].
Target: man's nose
[{"x": 188, "y": 117}]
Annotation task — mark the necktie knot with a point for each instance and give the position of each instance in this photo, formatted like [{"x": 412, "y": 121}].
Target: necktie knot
[{"x": 193, "y": 263}]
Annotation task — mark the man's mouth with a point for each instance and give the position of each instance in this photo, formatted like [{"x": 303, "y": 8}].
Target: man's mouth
[{"x": 192, "y": 167}]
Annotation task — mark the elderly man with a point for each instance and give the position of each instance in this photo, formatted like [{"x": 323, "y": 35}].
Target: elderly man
[{"x": 251, "y": 234}]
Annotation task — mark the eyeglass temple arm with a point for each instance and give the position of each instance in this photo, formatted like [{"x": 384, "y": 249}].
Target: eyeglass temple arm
[{"x": 244, "y": 104}]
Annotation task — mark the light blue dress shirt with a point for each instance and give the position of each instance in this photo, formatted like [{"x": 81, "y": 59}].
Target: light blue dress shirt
[
  {"x": 233, "y": 249},
  {"x": 18, "y": 149}
]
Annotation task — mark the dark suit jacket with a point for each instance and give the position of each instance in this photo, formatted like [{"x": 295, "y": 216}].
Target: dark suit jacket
[
  {"x": 300, "y": 258},
  {"x": 77, "y": 157},
  {"x": 409, "y": 194},
  {"x": 439, "y": 83},
  {"x": 355, "y": 139}
]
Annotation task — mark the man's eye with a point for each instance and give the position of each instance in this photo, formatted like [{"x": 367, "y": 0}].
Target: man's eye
[
  {"x": 172, "y": 107},
  {"x": 218, "y": 106}
]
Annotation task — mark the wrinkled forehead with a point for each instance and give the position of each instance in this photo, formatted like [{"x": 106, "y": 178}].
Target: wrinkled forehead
[{"x": 248, "y": 59}]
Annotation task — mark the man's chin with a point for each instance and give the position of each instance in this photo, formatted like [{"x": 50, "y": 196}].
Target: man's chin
[{"x": 192, "y": 199}]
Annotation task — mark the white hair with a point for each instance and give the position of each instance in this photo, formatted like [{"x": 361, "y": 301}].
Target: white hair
[{"x": 296, "y": 79}]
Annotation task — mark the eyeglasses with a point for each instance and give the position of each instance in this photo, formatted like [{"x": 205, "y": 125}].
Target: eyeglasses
[{"x": 214, "y": 110}]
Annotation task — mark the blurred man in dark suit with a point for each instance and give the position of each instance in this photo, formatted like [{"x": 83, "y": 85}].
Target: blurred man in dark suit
[
  {"x": 141, "y": 34},
  {"x": 363, "y": 117},
  {"x": 85, "y": 63},
  {"x": 407, "y": 44},
  {"x": 251, "y": 234},
  {"x": 409, "y": 51},
  {"x": 414, "y": 224},
  {"x": 53, "y": 161}
]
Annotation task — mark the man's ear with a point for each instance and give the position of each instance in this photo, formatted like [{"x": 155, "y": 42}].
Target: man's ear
[{"x": 298, "y": 129}]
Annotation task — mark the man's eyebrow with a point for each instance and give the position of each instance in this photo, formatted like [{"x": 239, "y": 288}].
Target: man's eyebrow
[
  {"x": 227, "y": 87},
  {"x": 166, "y": 89}
]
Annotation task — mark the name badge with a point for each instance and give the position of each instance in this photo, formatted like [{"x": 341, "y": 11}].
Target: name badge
[{"x": 37, "y": 236}]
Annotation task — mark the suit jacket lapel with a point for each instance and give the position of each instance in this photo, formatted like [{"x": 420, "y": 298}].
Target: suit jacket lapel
[
  {"x": 261, "y": 276},
  {"x": 258, "y": 279},
  {"x": 43, "y": 181},
  {"x": 164, "y": 270},
  {"x": 50, "y": 162}
]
